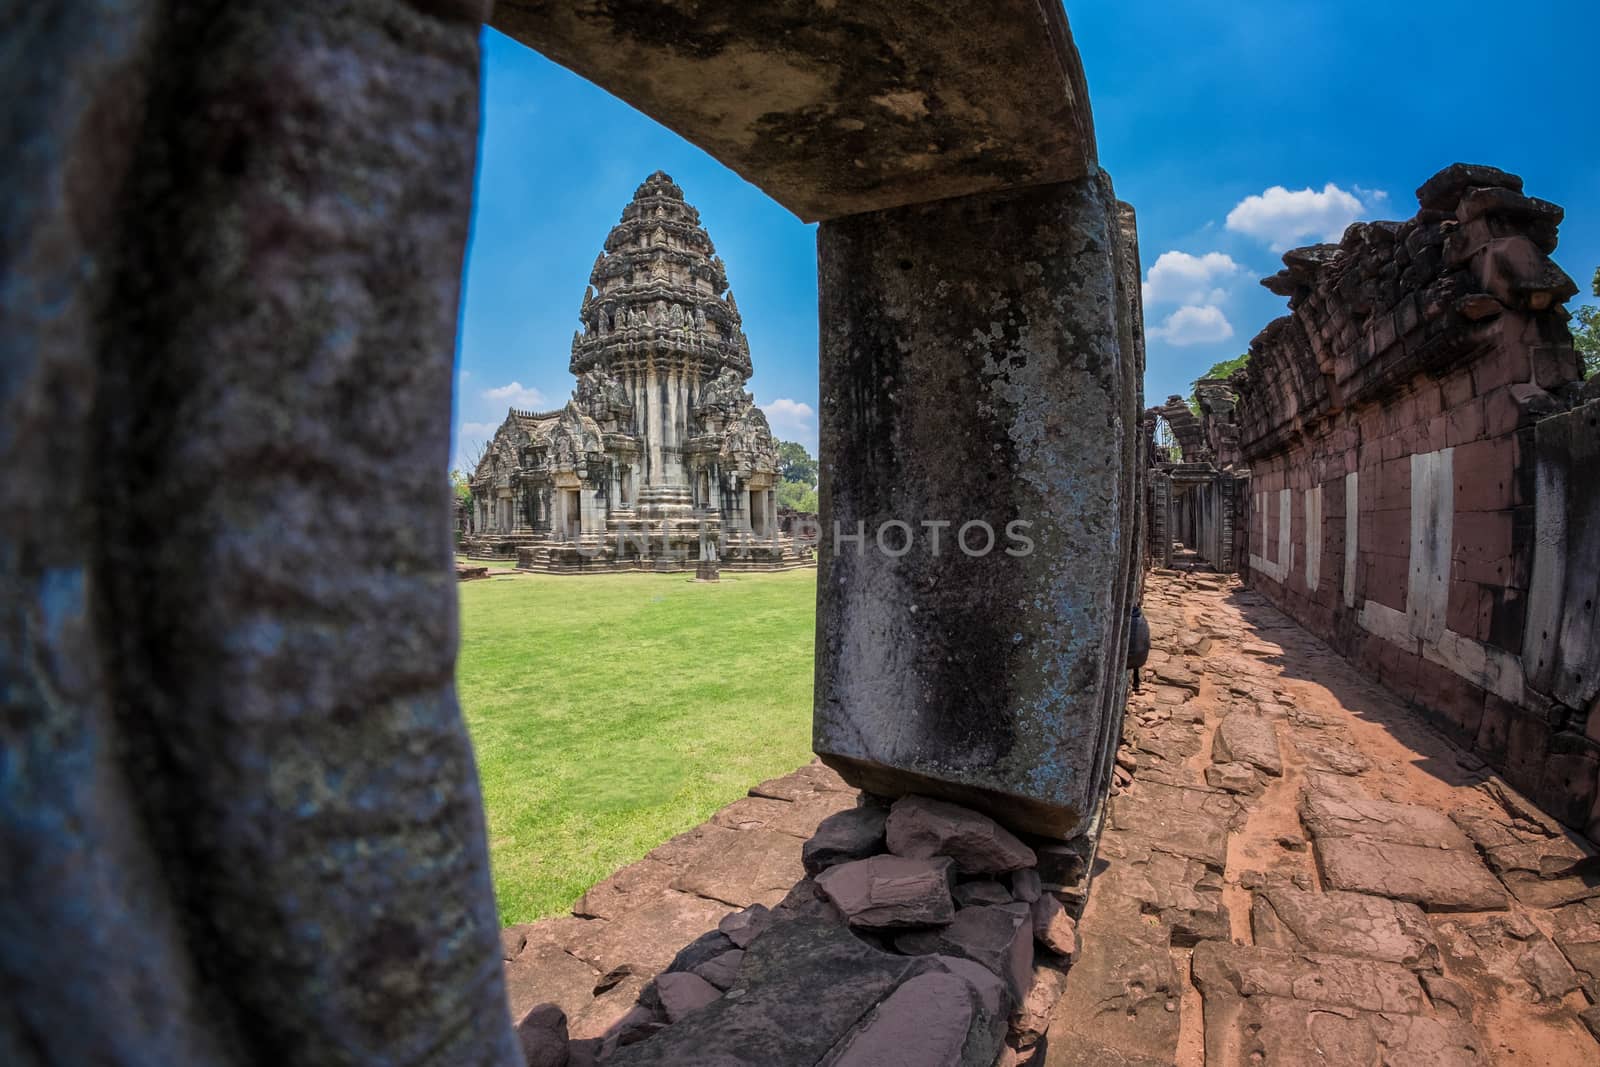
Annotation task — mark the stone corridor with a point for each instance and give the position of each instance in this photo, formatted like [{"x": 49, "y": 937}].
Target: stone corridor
[{"x": 1297, "y": 870}]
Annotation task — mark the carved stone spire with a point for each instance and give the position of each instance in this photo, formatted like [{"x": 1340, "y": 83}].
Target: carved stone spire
[{"x": 660, "y": 257}]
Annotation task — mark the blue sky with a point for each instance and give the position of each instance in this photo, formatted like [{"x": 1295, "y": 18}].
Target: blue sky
[{"x": 1236, "y": 129}]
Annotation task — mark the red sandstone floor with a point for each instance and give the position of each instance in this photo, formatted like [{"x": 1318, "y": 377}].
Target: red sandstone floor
[{"x": 1373, "y": 895}]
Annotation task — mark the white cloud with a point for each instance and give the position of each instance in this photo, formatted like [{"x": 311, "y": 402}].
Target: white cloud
[
  {"x": 1284, "y": 219},
  {"x": 1194, "y": 325},
  {"x": 793, "y": 420},
  {"x": 1180, "y": 278},
  {"x": 516, "y": 395}
]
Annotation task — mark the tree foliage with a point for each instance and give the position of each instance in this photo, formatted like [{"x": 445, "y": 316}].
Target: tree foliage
[
  {"x": 458, "y": 485},
  {"x": 798, "y": 469},
  {"x": 795, "y": 464},
  {"x": 1586, "y": 332},
  {"x": 797, "y": 496}
]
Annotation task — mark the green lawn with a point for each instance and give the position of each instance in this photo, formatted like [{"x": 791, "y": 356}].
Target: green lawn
[{"x": 610, "y": 712}]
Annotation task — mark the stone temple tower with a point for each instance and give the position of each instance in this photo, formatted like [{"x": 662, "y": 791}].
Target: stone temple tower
[
  {"x": 660, "y": 319},
  {"x": 660, "y": 443}
]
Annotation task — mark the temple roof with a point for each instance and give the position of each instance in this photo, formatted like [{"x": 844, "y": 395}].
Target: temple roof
[{"x": 659, "y": 291}]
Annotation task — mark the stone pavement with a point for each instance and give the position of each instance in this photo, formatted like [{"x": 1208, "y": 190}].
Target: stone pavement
[{"x": 1297, "y": 870}]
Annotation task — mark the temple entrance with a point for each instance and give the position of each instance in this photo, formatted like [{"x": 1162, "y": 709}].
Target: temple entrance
[
  {"x": 1192, "y": 501},
  {"x": 572, "y": 509},
  {"x": 758, "y": 512}
]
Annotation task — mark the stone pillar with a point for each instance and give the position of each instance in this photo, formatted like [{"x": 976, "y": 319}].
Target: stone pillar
[
  {"x": 238, "y": 827},
  {"x": 979, "y": 364}
]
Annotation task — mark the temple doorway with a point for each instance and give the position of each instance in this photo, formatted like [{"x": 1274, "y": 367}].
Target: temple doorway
[
  {"x": 573, "y": 510},
  {"x": 758, "y": 511}
]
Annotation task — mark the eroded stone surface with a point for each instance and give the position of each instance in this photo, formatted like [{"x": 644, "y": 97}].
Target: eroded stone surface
[
  {"x": 1541, "y": 865},
  {"x": 1345, "y": 924},
  {"x": 1121, "y": 994},
  {"x": 651, "y": 936},
  {"x": 1437, "y": 879},
  {"x": 1335, "y": 975},
  {"x": 1000, "y": 938},
  {"x": 762, "y": 870},
  {"x": 1246, "y": 738},
  {"x": 891, "y": 892},
  {"x": 926, "y": 1020},
  {"x": 919, "y": 827},
  {"x": 906, "y": 644},
  {"x": 804, "y": 985},
  {"x": 542, "y": 1032},
  {"x": 826, "y": 137},
  {"x": 546, "y": 974},
  {"x": 848, "y": 835}
]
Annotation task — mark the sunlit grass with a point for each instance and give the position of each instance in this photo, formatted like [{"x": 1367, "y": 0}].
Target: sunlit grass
[{"x": 610, "y": 712}]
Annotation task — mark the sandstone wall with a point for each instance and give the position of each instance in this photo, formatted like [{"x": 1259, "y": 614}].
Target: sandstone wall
[{"x": 1413, "y": 429}]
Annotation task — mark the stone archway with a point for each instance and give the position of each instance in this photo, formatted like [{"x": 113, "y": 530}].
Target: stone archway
[{"x": 236, "y": 780}]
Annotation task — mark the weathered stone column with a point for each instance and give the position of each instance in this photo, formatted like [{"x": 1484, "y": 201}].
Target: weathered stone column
[
  {"x": 239, "y": 817},
  {"x": 979, "y": 365}
]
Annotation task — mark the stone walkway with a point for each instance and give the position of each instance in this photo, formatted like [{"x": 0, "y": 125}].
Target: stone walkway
[{"x": 1296, "y": 870}]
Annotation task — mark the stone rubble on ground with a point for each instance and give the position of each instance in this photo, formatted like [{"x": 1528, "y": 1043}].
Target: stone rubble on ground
[{"x": 918, "y": 932}]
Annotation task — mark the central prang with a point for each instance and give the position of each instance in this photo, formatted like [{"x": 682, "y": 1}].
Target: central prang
[{"x": 661, "y": 459}]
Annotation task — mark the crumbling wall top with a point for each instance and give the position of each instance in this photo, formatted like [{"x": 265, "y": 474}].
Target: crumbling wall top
[{"x": 1469, "y": 272}]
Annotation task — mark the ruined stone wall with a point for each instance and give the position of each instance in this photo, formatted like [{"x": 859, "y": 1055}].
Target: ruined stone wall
[
  {"x": 1158, "y": 494},
  {"x": 1412, "y": 429}
]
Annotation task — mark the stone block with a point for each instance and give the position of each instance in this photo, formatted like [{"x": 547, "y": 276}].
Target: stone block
[
  {"x": 1467, "y": 612},
  {"x": 977, "y": 367},
  {"x": 848, "y": 835},
  {"x": 803, "y": 986},
  {"x": 1434, "y": 878},
  {"x": 1243, "y": 737},
  {"x": 922, "y": 828},
  {"x": 1120, "y": 1004},
  {"x": 1485, "y": 474},
  {"x": 1343, "y": 924},
  {"x": 891, "y": 892},
  {"x": 544, "y": 974},
  {"x": 757, "y": 867},
  {"x": 926, "y": 1020},
  {"x": 1000, "y": 938}
]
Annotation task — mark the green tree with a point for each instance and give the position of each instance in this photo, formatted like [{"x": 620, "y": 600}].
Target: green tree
[
  {"x": 458, "y": 485},
  {"x": 1586, "y": 332},
  {"x": 797, "y": 496},
  {"x": 795, "y": 464}
]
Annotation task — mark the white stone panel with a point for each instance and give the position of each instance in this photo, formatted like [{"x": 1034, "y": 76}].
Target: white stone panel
[
  {"x": 1352, "y": 528},
  {"x": 1313, "y": 537},
  {"x": 1432, "y": 536}
]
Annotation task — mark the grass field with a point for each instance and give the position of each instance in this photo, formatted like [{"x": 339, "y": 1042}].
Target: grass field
[{"x": 611, "y": 712}]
